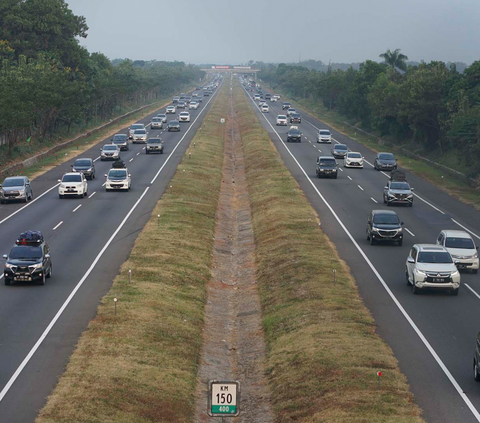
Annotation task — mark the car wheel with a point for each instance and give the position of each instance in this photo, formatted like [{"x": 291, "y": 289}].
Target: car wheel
[
  {"x": 372, "y": 240},
  {"x": 26, "y": 199},
  {"x": 411, "y": 204},
  {"x": 476, "y": 375},
  {"x": 474, "y": 271},
  {"x": 415, "y": 290},
  {"x": 368, "y": 236},
  {"x": 85, "y": 193},
  {"x": 454, "y": 292},
  {"x": 42, "y": 281},
  {"x": 400, "y": 243},
  {"x": 60, "y": 196},
  {"x": 146, "y": 151},
  {"x": 2, "y": 202},
  {"x": 389, "y": 203},
  {"x": 336, "y": 176},
  {"x": 50, "y": 273},
  {"x": 406, "y": 277},
  {"x": 7, "y": 281},
  {"x": 161, "y": 152},
  {"x": 384, "y": 199}
]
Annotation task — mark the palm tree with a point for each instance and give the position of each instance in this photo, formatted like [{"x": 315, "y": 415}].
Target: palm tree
[{"x": 395, "y": 59}]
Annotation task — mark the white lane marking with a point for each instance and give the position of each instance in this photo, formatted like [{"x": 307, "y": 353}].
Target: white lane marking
[
  {"x": 57, "y": 225},
  {"x": 181, "y": 139},
  {"x": 131, "y": 160},
  {"x": 28, "y": 204},
  {"x": 76, "y": 208},
  {"x": 319, "y": 149},
  {"x": 468, "y": 230},
  {"x": 386, "y": 174},
  {"x": 143, "y": 148},
  {"x": 104, "y": 183},
  {"x": 360, "y": 187},
  {"x": 340, "y": 169},
  {"x": 386, "y": 287},
  {"x": 92, "y": 194},
  {"x": 349, "y": 178},
  {"x": 366, "y": 161},
  {"x": 430, "y": 204},
  {"x": 373, "y": 199},
  {"x": 96, "y": 159},
  {"x": 410, "y": 232},
  {"x": 472, "y": 290},
  {"x": 138, "y": 154},
  {"x": 67, "y": 301}
]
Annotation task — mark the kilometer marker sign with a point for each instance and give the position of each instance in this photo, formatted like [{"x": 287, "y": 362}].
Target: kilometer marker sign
[{"x": 223, "y": 398}]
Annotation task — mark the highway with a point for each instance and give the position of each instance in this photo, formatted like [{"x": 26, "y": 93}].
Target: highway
[
  {"x": 89, "y": 239},
  {"x": 433, "y": 334}
]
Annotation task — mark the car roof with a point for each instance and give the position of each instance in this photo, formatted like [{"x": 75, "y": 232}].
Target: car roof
[
  {"x": 384, "y": 152},
  {"x": 109, "y": 145},
  {"x": 354, "y": 152},
  {"x": 430, "y": 247},
  {"x": 73, "y": 173},
  {"x": 16, "y": 177},
  {"x": 338, "y": 145},
  {"x": 380, "y": 211},
  {"x": 84, "y": 158},
  {"x": 456, "y": 234},
  {"x": 326, "y": 157}
]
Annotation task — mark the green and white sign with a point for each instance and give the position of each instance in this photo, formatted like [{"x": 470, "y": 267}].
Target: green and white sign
[{"x": 223, "y": 398}]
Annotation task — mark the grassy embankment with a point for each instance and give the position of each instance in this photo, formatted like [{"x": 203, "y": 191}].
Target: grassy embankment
[
  {"x": 141, "y": 365},
  {"x": 455, "y": 186},
  {"x": 323, "y": 350}
]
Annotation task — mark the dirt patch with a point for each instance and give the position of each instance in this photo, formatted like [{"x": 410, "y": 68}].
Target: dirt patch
[{"x": 233, "y": 343}]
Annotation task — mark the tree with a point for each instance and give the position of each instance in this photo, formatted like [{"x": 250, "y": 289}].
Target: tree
[{"x": 395, "y": 59}]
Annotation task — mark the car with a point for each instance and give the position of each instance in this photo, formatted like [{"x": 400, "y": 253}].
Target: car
[
  {"x": 110, "y": 152},
  {"x": 256, "y": 97},
  {"x": 282, "y": 120},
  {"x": 384, "y": 226},
  {"x": 16, "y": 188},
  {"x": 176, "y": 99},
  {"x": 140, "y": 136},
  {"x": 385, "y": 161},
  {"x": 118, "y": 179},
  {"x": 171, "y": 110},
  {"x": 187, "y": 100},
  {"x": 268, "y": 96},
  {"x": 173, "y": 125},
  {"x": 295, "y": 118},
  {"x": 73, "y": 184},
  {"x": 398, "y": 190},
  {"x": 274, "y": 98},
  {"x": 29, "y": 260},
  {"x": 121, "y": 140},
  {"x": 262, "y": 103},
  {"x": 206, "y": 93},
  {"x": 461, "y": 247},
  {"x": 181, "y": 105},
  {"x": 327, "y": 166},
  {"x": 184, "y": 117},
  {"x": 294, "y": 134},
  {"x": 264, "y": 108},
  {"x": 163, "y": 117},
  {"x": 193, "y": 105},
  {"x": 86, "y": 166},
  {"x": 199, "y": 99},
  {"x": 286, "y": 105},
  {"x": 133, "y": 128},
  {"x": 157, "y": 123},
  {"x": 324, "y": 136},
  {"x": 339, "y": 151},
  {"x": 154, "y": 145},
  {"x": 353, "y": 159},
  {"x": 195, "y": 95},
  {"x": 430, "y": 266}
]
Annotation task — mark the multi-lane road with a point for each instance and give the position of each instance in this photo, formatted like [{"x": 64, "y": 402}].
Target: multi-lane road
[
  {"x": 433, "y": 334},
  {"x": 89, "y": 239}
]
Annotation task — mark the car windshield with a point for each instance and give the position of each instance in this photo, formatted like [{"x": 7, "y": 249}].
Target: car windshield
[
  {"x": 140, "y": 132},
  {"x": 434, "y": 257},
  {"x": 156, "y": 120},
  {"x": 295, "y": 115},
  {"x": 386, "y": 219},
  {"x": 341, "y": 147},
  {"x": 154, "y": 141},
  {"x": 72, "y": 178},
  {"x": 13, "y": 182},
  {"x": 25, "y": 252},
  {"x": 136, "y": 126},
  {"x": 281, "y": 117},
  {"x": 354, "y": 155},
  {"x": 162, "y": 115},
  {"x": 184, "y": 114},
  {"x": 463, "y": 243},
  {"x": 322, "y": 132},
  {"x": 386, "y": 156},
  {"x": 110, "y": 147},
  {"x": 400, "y": 186},
  {"x": 117, "y": 174},
  {"x": 173, "y": 122},
  {"x": 82, "y": 163},
  {"x": 294, "y": 131},
  {"x": 328, "y": 163}
]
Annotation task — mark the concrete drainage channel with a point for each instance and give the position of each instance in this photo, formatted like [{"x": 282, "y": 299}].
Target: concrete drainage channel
[{"x": 233, "y": 345}]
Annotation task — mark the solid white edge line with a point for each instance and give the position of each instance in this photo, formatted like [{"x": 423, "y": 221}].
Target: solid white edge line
[
  {"x": 92, "y": 194},
  {"x": 472, "y": 290},
  {"x": 410, "y": 232},
  {"x": 28, "y": 204},
  {"x": 76, "y": 208},
  {"x": 96, "y": 158},
  {"x": 430, "y": 204},
  {"x": 67, "y": 301},
  {"x": 57, "y": 225},
  {"x": 468, "y": 230},
  {"x": 390, "y": 293}
]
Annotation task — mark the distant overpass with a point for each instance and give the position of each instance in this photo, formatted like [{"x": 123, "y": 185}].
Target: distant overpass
[{"x": 233, "y": 69}]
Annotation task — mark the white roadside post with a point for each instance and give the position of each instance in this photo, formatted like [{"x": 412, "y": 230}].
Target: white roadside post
[{"x": 223, "y": 398}]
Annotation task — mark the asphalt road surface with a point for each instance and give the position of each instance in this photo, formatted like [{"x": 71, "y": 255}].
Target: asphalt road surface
[
  {"x": 89, "y": 239},
  {"x": 433, "y": 334}
]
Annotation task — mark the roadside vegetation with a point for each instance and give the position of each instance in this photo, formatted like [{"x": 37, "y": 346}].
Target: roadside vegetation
[
  {"x": 140, "y": 365},
  {"x": 323, "y": 352}
]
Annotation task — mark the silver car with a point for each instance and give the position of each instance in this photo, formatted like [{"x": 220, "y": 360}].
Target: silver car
[
  {"x": 110, "y": 152},
  {"x": 163, "y": 117},
  {"x": 16, "y": 188},
  {"x": 140, "y": 135},
  {"x": 133, "y": 128}
]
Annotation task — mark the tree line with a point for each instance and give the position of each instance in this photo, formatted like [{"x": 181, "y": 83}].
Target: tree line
[
  {"x": 48, "y": 82},
  {"x": 430, "y": 105}
]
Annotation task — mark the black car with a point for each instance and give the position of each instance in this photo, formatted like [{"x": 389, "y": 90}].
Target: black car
[
  {"x": 384, "y": 225},
  {"x": 294, "y": 134},
  {"x": 327, "y": 167},
  {"x": 339, "y": 151},
  {"x": 385, "y": 161},
  {"x": 295, "y": 118},
  {"x": 173, "y": 125},
  {"x": 29, "y": 260},
  {"x": 268, "y": 96},
  {"x": 121, "y": 140},
  {"x": 86, "y": 166},
  {"x": 206, "y": 93}
]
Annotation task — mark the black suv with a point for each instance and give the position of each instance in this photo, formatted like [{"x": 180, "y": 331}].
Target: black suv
[
  {"x": 384, "y": 225},
  {"x": 294, "y": 134},
  {"x": 327, "y": 166},
  {"x": 86, "y": 166},
  {"x": 385, "y": 161},
  {"x": 29, "y": 260}
]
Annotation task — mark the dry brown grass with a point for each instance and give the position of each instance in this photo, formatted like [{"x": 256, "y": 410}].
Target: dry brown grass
[
  {"x": 141, "y": 365},
  {"x": 323, "y": 350}
]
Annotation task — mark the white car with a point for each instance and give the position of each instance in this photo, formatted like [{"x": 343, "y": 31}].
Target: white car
[
  {"x": 171, "y": 110},
  {"x": 184, "y": 117},
  {"x": 274, "y": 98},
  {"x": 430, "y": 266},
  {"x": 282, "y": 120},
  {"x": 157, "y": 123},
  {"x": 110, "y": 152},
  {"x": 256, "y": 97},
  {"x": 73, "y": 184},
  {"x": 290, "y": 111},
  {"x": 264, "y": 108},
  {"x": 193, "y": 105},
  {"x": 324, "y": 136},
  {"x": 140, "y": 135},
  {"x": 118, "y": 179},
  {"x": 353, "y": 159},
  {"x": 163, "y": 117},
  {"x": 133, "y": 128},
  {"x": 461, "y": 247}
]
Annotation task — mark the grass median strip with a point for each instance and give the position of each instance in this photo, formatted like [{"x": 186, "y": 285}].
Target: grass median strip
[
  {"x": 323, "y": 350},
  {"x": 140, "y": 365}
]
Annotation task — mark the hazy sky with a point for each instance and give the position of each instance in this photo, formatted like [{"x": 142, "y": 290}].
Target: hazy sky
[{"x": 234, "y": 32}]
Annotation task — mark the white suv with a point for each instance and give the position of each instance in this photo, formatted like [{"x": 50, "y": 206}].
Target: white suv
[
  {"x": 73, "y": 184},
  {"x": 461, "y": 247},
  {"x": 431, "y": 266},
  {"x": 282, "y": 120},
  {"x": 184, "y": 117}
]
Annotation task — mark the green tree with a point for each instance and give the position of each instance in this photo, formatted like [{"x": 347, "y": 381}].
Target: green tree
[{"x": 395, "y": 59}]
